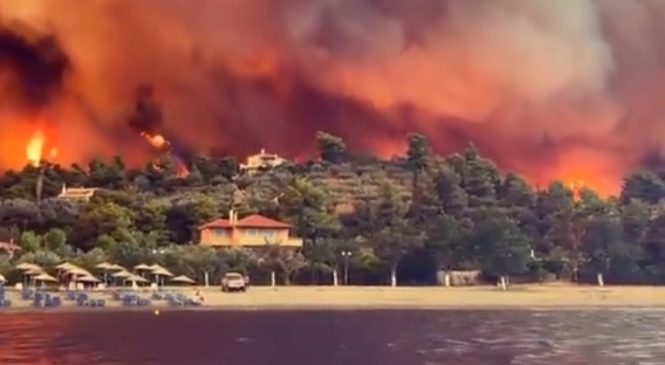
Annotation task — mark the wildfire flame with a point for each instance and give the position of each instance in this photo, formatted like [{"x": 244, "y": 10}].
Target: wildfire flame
[
  {"x": 181, "y": 170},
  {"x": 577, "y": 186},
  {"x": 158, "y": 141},
  {"x": 35, "y": 148}
]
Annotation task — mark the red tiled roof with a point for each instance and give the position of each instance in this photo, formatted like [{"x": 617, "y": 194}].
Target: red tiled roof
[
  {"x": 259, "y": 221},
  {"x": 252, "y": 221},
  {"x": 219, "y": 223}
]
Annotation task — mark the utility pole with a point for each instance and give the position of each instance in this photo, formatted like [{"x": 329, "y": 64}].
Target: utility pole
[{"x": 347, "y": 256}]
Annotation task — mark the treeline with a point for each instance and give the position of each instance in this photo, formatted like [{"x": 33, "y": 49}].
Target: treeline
[{"x": 402, "y": 220}]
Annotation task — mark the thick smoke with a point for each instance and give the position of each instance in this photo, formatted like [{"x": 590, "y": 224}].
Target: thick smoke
[
  {"x": 567, "y": 89},
  {"x": 33, "y": 66}
]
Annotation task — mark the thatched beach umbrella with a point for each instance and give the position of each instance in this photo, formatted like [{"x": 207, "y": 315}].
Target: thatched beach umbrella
[
  {"x": 159, "y": 271},
  {"x": 106, "y": 268},
  {"x": 182, "y": 279},
  {"x": 29, "y": 271},
  {"x": 143, "y": 267},
  {"x": 26, "y": 266},
  {"x": 34, "y": 272},
  {"x": 66, "y": 266},
  {"x": 103, "y": 266},
  {"x": 88, "y": 279},
  {"x": 77, "y": 271},
  {"x": 162, "y": 272},
  {"x": 122, "y": 274},
  {"x": 116, "y": 267},
  {"x": 44, "y": 278},
  {"x": 134, "y": 279}
]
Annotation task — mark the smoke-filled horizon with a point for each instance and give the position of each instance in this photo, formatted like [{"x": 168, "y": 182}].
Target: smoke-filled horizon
[{"x": 548, "y": 89}]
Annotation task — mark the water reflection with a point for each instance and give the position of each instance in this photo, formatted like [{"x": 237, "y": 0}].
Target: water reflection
[{"x": 610, "y": 337}]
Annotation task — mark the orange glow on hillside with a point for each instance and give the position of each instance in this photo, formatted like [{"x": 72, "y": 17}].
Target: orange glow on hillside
[
  {"x": 584, "y": 168},
  {"x": 576, "y": 186}
]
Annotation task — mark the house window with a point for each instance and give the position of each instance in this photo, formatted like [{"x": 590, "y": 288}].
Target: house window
[{"x": 220, "y": 233}]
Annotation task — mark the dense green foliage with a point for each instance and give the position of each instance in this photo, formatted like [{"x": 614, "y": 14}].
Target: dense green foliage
[{"x": 406, "y": 218}]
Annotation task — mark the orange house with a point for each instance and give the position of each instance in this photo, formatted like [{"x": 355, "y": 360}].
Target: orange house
[{"x": 254, "y": 231}]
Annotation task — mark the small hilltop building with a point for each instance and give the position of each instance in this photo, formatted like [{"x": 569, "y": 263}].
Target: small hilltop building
[
  {"x": 77, "y": 194},
  {"x": 262, "y": 160}
]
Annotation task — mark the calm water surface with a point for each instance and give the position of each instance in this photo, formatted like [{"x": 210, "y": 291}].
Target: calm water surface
[{"x": 607, "y": 337}]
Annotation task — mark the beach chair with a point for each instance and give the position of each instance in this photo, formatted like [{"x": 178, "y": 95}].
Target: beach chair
[
  {"x": 129, "y": 301},
  {"x": 27, "y": 294},
  {"x": 51, "y": 301},
  {"x": 82, "y": 301},
  {"x": 191, "y": 302},
  {"x": 38, "y": 296}
]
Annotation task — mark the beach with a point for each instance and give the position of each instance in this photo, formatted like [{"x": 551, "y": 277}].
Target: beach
[{"x": 558, "y": 296}]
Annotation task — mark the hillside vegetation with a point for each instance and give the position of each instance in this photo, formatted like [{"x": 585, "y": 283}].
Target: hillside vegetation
[{"x": 402, "y": 220}]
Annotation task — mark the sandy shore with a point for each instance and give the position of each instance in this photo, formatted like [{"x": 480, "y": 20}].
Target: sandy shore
[{"x": 257, "y": 298}]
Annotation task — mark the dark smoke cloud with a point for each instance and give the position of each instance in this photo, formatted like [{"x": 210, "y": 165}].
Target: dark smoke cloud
[
  {"x": 147, "y": 115},
  {"x": 33, "y": 65}
]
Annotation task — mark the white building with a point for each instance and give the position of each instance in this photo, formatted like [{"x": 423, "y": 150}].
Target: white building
[
  {"x": 76, "y": 194},
  {"x": 262, "y": 160}
]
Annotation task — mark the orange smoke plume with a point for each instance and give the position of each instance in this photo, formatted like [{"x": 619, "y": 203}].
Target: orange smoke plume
[{"x": 582, "y": 104}]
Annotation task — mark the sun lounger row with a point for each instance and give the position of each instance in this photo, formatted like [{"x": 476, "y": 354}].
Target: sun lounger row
[
  {"x": 133, "y": 300},
  {"x": 119, "y": 295},
  {"x": 47, "y": 300},
  {"x": 28, "y": 294},
  {"x": 93, "y": 303},
  {"x": 179, "y": 300},
  {"x": 76, "y": 296}
]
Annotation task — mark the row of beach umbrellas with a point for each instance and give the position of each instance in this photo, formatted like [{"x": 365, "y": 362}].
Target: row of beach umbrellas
[{"x": 78, "y": 274}]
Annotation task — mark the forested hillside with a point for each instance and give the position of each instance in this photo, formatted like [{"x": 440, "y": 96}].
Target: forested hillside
[{"x": 411, "y": 216}]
